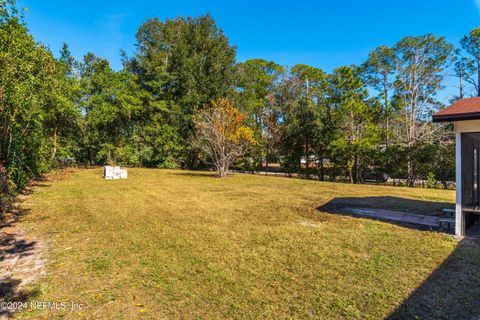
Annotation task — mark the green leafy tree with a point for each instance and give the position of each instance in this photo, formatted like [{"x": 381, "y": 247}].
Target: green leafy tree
[
  {"x": 256, "y": 85},
  {"x": 184, "y": 64},
  {"x": 463, "y": 69},
  {"x": 305, "y": 126},
  {"x": 378, "y": 72},
  {"x": 444, "y": 162},
  {"x": 146, "y": 113},
  {"x": 62, "y": 114},
  {"x": 355, "y": 117},
  {"x": 315, "y": 111},
  {"x": 421, "y": 62},
  {"x": 111, "y": 105},
  {"x": 471, "y": 44},
  {"x": 27, "y": 86},
  {"x": 291, "y": 126}
]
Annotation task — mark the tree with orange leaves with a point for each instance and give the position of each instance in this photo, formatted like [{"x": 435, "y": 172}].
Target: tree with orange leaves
[{"x": 220, "y": 133}]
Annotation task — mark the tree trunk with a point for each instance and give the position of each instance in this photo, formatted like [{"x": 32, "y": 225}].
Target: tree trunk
[
  {"x": 410, "y": 173},
  {"x": 385, "y": 101},
  {"x": 54, "y": 149},
  {"x": 3, "y": 188},
  {"x": 478, "y": 75},
  {"x": 221, "y": 172},
  {"x": 225, "y": 169},
  {"x": 222, "y": 169},
  {"x": 460, "y": 77},
  {"x": 355, "y": 169},
  {"x": 9, "y": 147},
  {"x": 322, "y": 170},
  {"x": 90, "y": 156},
  {"x": 193, "y": 160},
  {"x": 350, "y": 170},
  {"x": 358, "y": 173},
  {"x": 307, "y": 158},
  {"x": 3, "y": 179},
  {"x": 266, "y": 163}
]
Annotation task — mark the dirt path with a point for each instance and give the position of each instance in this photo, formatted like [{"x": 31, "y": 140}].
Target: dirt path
[{"x": 20, "y": 261}]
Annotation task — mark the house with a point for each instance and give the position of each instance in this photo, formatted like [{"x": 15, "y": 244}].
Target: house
[{"x": 465, "y": 114}]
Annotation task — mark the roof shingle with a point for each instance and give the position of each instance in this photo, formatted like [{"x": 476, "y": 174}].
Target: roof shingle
[{"x": 464, "y": 109}]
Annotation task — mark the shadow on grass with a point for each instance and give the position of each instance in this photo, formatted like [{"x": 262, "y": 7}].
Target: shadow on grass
[
  {"x": 452, "y": 291},
  {"x": 11, "y": 291},
  {"x": 15, "y": 251},
  {"x": 11, "y": 217},
  {"x": 425, "y": 207},
  {"x": 12, "y": 246},
  {"x": 394, "y": 206},
  {"x": 203, "y": 174}
]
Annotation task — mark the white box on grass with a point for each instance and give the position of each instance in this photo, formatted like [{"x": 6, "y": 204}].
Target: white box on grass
[{"x": 116, "y": 172}]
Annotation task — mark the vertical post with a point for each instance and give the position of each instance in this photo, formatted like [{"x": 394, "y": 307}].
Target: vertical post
[{"x": 458, "y": 184}]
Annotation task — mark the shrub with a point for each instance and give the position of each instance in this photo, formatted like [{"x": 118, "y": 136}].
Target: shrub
[{"x": 431, "y": 180}]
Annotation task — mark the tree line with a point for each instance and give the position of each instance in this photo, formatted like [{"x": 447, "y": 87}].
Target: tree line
[{"x": 337, "y": 125}]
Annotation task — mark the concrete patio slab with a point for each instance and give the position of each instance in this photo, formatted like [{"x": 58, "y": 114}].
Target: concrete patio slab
[{"x": 430, "y": 221}]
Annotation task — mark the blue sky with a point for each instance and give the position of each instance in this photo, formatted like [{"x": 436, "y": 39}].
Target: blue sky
[{"x": 325, "y": 34}]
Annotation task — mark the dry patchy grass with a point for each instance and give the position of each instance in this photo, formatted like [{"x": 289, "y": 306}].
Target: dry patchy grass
[{"x": 177, "y": 244}]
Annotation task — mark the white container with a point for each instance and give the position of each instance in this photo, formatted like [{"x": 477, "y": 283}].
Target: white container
[
  {"x": 116, "y": 172},
  {"x": 108, "y": 172}
]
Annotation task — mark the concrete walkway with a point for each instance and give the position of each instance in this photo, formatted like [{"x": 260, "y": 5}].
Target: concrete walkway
[{"x": 429, "y": 221}]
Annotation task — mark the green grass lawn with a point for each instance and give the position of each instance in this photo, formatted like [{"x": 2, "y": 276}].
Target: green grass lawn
[{"x": 177, "y": 244}]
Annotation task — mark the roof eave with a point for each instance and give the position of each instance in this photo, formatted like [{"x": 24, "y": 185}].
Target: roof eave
[{"x": 456, "y": 117}]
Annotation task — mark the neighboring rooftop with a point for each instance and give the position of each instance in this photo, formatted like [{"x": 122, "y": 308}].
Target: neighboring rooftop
[{"x": 464, "y": 109}]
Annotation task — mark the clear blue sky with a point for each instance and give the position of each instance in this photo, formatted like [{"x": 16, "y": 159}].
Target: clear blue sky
[{"x": 324, "y": 34}]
